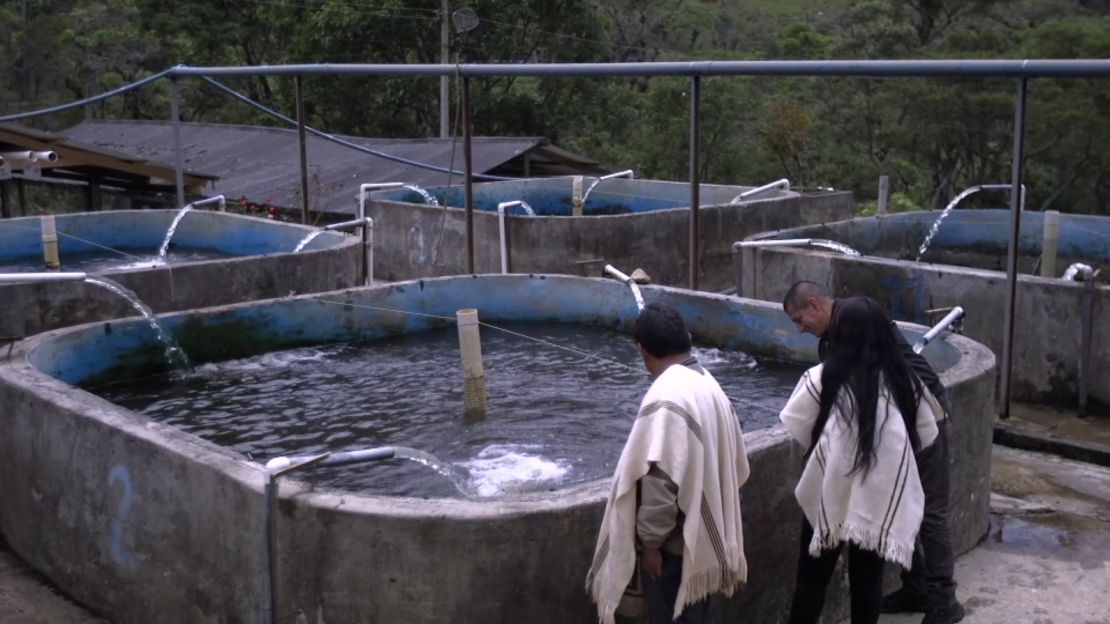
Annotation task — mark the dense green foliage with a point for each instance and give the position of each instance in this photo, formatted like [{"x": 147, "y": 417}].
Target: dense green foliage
[{"x": 933, "y": 137}]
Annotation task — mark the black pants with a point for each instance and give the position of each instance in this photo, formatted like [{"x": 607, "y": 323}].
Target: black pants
[
  {"x": 865, "y": 582},
  {"x": 660, "y": 595},
  {"x": 933, "y": 562}
]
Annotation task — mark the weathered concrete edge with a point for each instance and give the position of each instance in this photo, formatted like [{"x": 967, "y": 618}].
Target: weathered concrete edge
[
  {"x": 325, "y": 531},
  {"x": 1079, "y": 450}
]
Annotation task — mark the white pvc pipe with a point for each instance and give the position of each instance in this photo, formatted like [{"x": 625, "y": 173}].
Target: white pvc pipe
[
  {"x": 627, "y": 173},
  {"x": 470, "y": 347},
  {"x": 778, "y": 242},
  {"x": 41, "y": 277},
  {"x": 783, "y": 184},
  {"x": 333, "y": 459},
  {"x": 50, "y": 243},
  {"x": 954, "y": 315},
  {"x": 1049, "y": 243},
  {"x": 632, "y": 285},
  {"x": 29, "y": 156},
  {"x": 208, "y": 200},
  {"x": 372, "y": 186},
  {"x": 502, "y": 208}
]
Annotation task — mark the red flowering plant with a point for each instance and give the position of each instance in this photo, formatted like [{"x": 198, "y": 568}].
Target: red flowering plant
[{"x": 266, "y": 209}]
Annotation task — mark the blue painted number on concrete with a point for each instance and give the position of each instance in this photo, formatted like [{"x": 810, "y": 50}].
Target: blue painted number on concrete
[
  {"x": 907, "y": 296},
  {"x": 115, "y": 535}
]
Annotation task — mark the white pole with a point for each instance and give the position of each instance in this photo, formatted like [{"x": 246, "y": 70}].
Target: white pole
[
  {"x": 470, "y": 345},
  {"x": 50, "y": 243},
  {"x": 576, "y": 197},
  {"x": 501, "y": 236},
  {"x": 1048, "y": 245},
  {"x": 884, "y": 194}
]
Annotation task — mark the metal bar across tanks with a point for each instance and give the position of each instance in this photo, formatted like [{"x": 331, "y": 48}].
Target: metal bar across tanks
[
  {"x": 1020, "y": 69},
  {"x": 1029, "y": 68}
]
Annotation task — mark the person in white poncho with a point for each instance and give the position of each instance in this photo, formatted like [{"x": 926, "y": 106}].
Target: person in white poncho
[
  {"x": 861, "y": 415},
  {"x": 676, "y": 489}
]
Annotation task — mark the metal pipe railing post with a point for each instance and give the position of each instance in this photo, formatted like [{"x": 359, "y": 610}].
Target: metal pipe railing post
[
  {"x": 271, "y": 529},
  {"x": 695, "y": 209},
  {"x": 468, "y": 184},
  {"x": 1012, "y": 252},
  {"x": 178, "y": 157},
  {"x": 1086, "y": 322},
  {"x": 298, "y": 95}
]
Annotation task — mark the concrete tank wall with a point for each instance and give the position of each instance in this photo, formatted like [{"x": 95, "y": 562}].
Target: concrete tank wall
[
  {"x": 265, "y": 269},
  {"x": 143, "y": 522},
  {"x": 1048, "y": 311},
  {"x": 414, "y": 240}
]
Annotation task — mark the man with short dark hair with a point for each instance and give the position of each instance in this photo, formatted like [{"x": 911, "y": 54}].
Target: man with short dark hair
[
  {"x": 928, "y": 586},
  {"x": 676, "y": 489}
]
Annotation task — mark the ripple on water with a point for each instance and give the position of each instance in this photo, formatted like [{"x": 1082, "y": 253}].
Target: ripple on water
[{"x": 553, "y": 417}]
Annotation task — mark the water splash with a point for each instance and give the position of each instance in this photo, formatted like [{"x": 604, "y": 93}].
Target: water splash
[
  {"x": 443, "y": 468},
  {"x": 175, "y": 355},
  {"x": 169, "y": 233},
  {"x": 429, "y": 199},
  {"x": 636, "y": 294},
  {"x": 504, "y": 468},
  {"x": 943, "y": 215},
  {"x": 525, "y": 207},
  {"x": 835, "y": 246},
  {"x": 306, "y": 240},
  {"x": 587, "y": 193},
  {"x": 711, "y": 358}
]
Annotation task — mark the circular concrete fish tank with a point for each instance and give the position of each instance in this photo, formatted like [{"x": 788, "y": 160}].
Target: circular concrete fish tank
[
  {"x": 137, "y": 517},
  {"x": 626, "y": 223},
  {"x": 964, "y": 265},
  {"x": 214, "y": 258}
]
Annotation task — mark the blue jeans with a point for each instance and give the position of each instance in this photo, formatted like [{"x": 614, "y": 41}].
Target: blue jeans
[{"x": 661, "y": 592}]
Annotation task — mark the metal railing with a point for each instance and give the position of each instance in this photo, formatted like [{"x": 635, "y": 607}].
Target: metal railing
[{"x": 1021, "y": 70}]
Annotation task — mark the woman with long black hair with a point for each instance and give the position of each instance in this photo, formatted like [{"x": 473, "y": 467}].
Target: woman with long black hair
[{"x": 861, "y": 415}]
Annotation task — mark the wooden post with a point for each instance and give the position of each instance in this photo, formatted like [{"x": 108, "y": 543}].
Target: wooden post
[
  {"x": 299, "y": 95},
  {"x": 884, "y": 194}
]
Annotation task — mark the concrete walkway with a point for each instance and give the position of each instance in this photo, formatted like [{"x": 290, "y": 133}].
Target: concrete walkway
[
  {"x": 28, "y": 598},
  {"x": 1046, "y": 559}
]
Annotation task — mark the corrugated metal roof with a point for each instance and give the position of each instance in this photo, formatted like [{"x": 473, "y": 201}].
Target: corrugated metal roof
[
  {"x": 262, "y": 164},
  {"x": 87, "y": 161}
]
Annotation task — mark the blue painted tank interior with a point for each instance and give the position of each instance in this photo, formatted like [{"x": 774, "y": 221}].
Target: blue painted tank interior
[
  {"x": 552, "y": 196},
  {"x": 981, "y": 230},
  {"x": 144, "y": 230},
  {"x": 110, "y": 350}
]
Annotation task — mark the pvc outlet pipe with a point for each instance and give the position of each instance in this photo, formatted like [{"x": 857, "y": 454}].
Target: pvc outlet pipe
[
  {"x": 783, "y": 184},
  {"x": 627, "y": 279},
  {"x": 470, "y": 346},
  {"x": 30, "y": 156},
  {"x": 6, "y": 278},
  {"x": 954, "y": 315},
  {"x": 50, "y": 243},
  {"x": 333, "y": 459},
  {"x": 1048, "y": 246}
]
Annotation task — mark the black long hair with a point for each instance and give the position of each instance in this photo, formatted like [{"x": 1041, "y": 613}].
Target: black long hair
[{"x": 863, "y": 356}]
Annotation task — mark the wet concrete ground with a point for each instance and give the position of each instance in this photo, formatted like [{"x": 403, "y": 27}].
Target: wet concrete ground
[{"x": 1046, "y": 559}]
